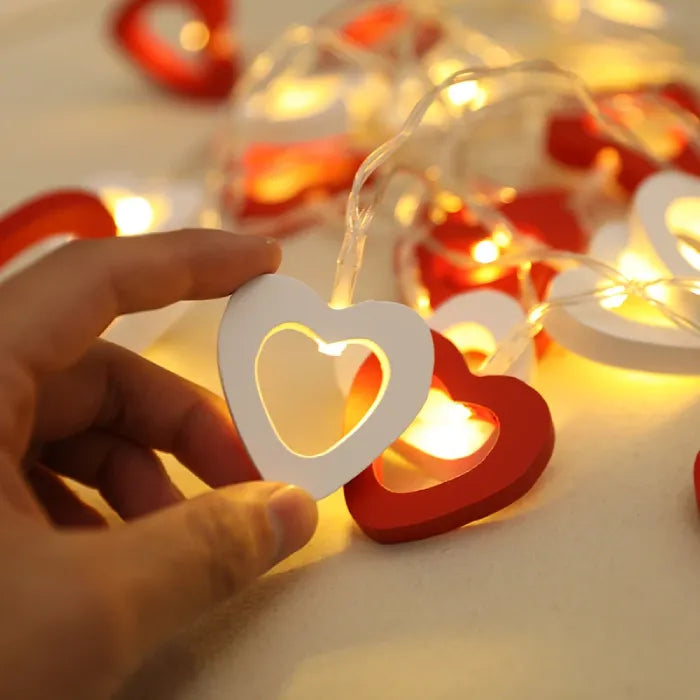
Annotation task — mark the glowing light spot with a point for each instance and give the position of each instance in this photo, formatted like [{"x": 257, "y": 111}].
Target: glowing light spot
[
  {"x": 460, "y": 94},
  {"x": 406, "y": 208},
  {"x": 683, "y": 218},
  {"x": 613, "y": 298},
  {"x": 501, "y": 236},
  {"x": 472, "y": 339},
  {"x": 608, "y": 160},
  {"x": 507, "y": 194},
  {"x": 449, "y": 202},
  {"x": 331, "y": 349},
  {"x": 638, "y": 13},
  {"x": 446, "y": 429},
  {"x": 299, "y": 98},
  {"x": 194, "y": 36},
  {"x": 636, "y": 267},
  {"x": 565, "y": 11},
  {"x": 485, "y": 251},
  {"x": 133, "y": 215},
  {"x": 633, "y": 266},
  {"x": 423, "y": 302}
]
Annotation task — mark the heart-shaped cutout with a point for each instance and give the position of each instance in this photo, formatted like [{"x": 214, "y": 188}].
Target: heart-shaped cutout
[
  {"x": 596, "y": 331},
  {"x": 302, "y": 428},
  {"x": 64, "y": 213},
  {"x": 509, "y": 469},
  {"x": 211, "y": 77},
  {"x": 447, "y": 439},
  {"x": 397, "y": 336},
  {"x": 476, "y": 322}
]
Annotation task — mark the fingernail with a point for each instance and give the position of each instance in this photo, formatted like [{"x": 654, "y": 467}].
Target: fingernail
[{"x": 293, "y": 515}]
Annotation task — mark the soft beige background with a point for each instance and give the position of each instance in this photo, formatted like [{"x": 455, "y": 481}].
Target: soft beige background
[{"x": 586, "y": 589}]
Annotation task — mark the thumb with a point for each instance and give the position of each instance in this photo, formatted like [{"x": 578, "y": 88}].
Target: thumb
[{"x": 179, "y": 563}]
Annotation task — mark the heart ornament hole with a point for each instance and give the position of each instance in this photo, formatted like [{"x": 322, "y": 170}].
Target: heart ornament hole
[
  {"x": 292, "y": 400},
  {"x": 447, "y": 439}
]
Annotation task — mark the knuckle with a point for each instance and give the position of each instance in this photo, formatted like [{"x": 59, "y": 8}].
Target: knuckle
[{"x": 235, "y": 542}]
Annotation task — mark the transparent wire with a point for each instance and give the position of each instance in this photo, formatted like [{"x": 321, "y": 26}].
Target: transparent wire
[
  {"x": 512, "y": 347},
  {"x": 358, "y": 218}
]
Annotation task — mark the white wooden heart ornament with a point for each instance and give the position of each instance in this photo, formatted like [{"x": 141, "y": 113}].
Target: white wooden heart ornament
[
  {"x": 665, "y": 205},
  {"x": 394, "y": 333},
  {"x": 662, "y": 203},
  {"x": 603, "y": 335},
  {"x": 474, "y": 321}
]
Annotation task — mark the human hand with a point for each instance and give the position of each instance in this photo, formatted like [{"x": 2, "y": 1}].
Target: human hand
[{"x": 81, "y": 604}]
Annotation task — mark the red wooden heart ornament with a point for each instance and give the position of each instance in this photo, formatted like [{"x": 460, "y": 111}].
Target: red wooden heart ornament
[
  {"x": 217, "y": 68},
  {"x": 70, "y": 211},
  {"x": 511, "y": 467},
  {"x": 696, "y": 479},
  {"x": 379, "y": 26},
  {"x": 575, "y": 139},
  {"x": 280, "y": 178},
  {"x": 543, "y": 215}
]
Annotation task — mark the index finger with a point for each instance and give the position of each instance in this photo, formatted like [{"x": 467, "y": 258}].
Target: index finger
[{"x": 50, "y": 313}]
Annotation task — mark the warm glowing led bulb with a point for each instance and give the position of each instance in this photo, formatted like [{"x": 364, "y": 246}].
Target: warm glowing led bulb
[
  {"x": 501, "y": 236},
  {"x": 331, "y": 349},
  {"x": 638, "y": 13},
  {"x": 423, "y": 302},
  {"x": 448, "y": 201},
  {"x": 133, "y": 215},
  {"x": 460, "y": 94},
  {"x": 446, "y": 429},
  {"x": 614, "y": 297},
  {"x": 485, "y": 251},
  {"x": 194, "y": 36},
  {"x": 406, "y": 209},
  {"x": 301, "y": 98}
]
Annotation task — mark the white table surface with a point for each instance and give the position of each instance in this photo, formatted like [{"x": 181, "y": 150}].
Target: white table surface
[{"x": 587, "y": 588}]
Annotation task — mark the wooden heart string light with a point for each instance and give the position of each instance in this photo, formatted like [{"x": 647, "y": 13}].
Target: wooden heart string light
[
  {"x": 498, "y": 220},
  {"x": 290, "y": 161},
  {"x": 649, "y": 355},
  {"x": 390, "y": 514},
  {"x": 496, "y": 446},
  {"x": 395, "y": 336}
]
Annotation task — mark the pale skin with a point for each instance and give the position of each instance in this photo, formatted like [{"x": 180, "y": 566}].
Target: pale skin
[{"x": 81, "y": 604}]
